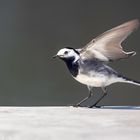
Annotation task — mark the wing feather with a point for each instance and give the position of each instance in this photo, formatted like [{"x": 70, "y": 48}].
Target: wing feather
[{"x": 107, "y": 46}]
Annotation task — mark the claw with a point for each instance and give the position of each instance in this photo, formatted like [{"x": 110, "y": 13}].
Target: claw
[{"x": 96, "y": 106}]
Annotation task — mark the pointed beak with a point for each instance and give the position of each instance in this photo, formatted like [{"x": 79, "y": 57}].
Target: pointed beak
[
  {"x": 59, "y": 56},
  {"x": 55, "y": 56}
]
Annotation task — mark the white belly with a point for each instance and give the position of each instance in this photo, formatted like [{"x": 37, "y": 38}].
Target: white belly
[{"x": 96, "y": 81}]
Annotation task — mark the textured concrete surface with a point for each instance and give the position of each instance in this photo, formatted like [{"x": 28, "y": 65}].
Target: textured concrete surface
[{"x": 69, "y": 123}]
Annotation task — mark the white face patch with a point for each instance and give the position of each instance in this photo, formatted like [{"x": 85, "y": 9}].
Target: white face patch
[{"x": 67, "y": 53}]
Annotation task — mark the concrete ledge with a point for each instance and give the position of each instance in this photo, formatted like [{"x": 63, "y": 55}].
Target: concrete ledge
[{"x": 69, "y": 123}]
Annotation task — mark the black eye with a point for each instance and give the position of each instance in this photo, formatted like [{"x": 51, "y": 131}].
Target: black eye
[{"x": 66, "y": 52}]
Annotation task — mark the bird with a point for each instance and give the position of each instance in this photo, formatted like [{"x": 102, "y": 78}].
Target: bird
[{"x": 89, "y": 64}]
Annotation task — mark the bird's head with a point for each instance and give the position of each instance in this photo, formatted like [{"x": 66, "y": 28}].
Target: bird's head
[{"x": 68, "y": 54}]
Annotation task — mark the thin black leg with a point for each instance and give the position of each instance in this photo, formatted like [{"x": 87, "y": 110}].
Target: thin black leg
[
  {"x": 90, "y": 94},
  {"x": 104, "y": 94}
]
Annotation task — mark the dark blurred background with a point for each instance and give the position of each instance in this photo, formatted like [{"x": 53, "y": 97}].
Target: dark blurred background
[{"x": 32, "y": 31}]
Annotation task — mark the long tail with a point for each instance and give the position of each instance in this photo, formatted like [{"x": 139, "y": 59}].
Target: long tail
[{"x": 128, "y": 80}]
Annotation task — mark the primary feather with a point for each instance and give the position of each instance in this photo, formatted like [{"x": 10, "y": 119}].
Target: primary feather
[{"x": 107, "y": 46}]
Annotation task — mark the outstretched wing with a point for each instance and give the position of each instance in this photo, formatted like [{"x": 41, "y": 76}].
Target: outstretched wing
[{"x": 107, "y": 46}]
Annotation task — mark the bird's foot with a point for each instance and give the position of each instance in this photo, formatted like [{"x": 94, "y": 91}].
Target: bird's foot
[
  {"x": 76, "y": 105},
  {"x": 94, "y": 106},
  {"x": 79, "y": 105}
]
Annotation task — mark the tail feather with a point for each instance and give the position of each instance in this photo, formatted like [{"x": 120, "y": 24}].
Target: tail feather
[{"x": 128, "y": 80}]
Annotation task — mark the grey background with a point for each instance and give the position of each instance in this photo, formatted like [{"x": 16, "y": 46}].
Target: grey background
[{"x": 32, "y": 31}]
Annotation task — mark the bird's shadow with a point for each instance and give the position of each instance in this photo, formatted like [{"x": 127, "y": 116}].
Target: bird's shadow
[{"x": 121, "y": 107}]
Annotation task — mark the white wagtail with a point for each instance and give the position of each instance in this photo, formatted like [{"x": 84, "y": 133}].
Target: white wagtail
[{"x": 88, "y": 65}]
